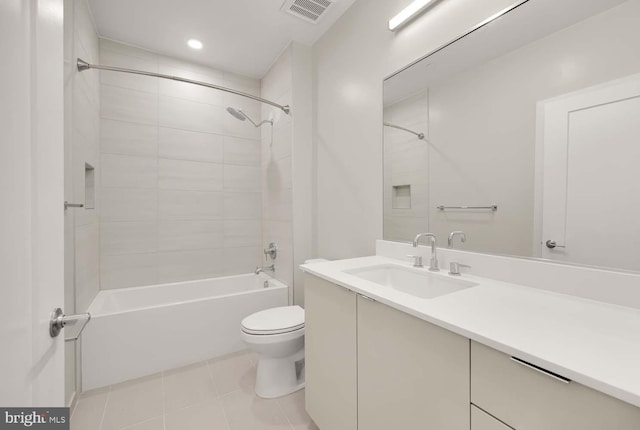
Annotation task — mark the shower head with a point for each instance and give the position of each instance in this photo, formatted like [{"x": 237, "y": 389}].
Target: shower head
[{"x": 238, "y": 114}]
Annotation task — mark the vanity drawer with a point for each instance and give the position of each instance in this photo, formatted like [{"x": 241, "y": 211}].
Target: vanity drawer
[
  {"x": 480, "y": 420},
  {"x": 525, "y": 398}
]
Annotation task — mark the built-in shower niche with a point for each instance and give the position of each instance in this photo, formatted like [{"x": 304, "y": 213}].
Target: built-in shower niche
[
  {"x": 401, "y": 197},
  {"x": 89, "y": 186}
]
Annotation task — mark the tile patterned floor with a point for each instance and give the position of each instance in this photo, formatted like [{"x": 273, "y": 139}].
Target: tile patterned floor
[{"x": 213, "y": 395}]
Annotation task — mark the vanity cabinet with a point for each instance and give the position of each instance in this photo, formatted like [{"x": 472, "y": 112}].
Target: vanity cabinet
[
  {"x": 528, "y": 398},
  {"x": 371, "y": 367},
  {"x": 411, "y": 374},
  {"x": 330, "y": 355},
  {"x": 483, "y": 421}
]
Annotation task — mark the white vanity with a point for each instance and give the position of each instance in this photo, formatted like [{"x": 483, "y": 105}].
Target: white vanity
[{"x": 487, "y": 355}]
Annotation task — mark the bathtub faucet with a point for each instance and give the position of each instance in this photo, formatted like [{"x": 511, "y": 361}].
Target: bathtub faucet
[{"x": 271, "y": 269}]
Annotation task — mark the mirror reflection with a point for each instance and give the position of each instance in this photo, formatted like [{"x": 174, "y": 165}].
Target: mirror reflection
[{"x": 532, "y": 148}]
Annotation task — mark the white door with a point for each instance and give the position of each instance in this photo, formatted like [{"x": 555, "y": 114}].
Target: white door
[
  {"x": 591, "y": 194},
  {"x": 31, "y": 202}
]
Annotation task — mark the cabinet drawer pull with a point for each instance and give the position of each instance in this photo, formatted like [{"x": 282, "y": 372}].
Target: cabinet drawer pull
[
  {"x": 366, "y": 298},
  {"x": 542, "y": 370}
]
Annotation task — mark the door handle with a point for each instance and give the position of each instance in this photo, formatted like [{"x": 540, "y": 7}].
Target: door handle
[
  {"x": 68, "y": 205},
  {"x": 552, "y": 244},
  {"x": 59, "y": 320}
]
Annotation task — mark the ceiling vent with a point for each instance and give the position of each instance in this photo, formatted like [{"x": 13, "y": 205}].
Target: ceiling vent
[{"x": 309, "y": 10}]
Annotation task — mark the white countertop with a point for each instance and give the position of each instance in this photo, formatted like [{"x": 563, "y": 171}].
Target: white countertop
[{"x": 593, "y": 343}]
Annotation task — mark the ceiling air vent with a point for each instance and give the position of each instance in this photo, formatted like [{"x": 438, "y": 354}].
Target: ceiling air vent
[{"x": 309, "y": 10}]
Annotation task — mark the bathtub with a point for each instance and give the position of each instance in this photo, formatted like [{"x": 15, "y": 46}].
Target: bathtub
[{"x": 139, "y": 331}]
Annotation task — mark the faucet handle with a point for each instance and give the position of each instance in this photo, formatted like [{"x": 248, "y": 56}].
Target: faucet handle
[
  {"x": 454, "y": 268},
  {"x": 417, "y": 260}
]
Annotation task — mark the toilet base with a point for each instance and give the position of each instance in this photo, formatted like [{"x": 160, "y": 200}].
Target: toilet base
[{"x": 277, "y": 377}]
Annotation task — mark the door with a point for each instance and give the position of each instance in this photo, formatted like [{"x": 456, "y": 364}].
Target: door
[
  {"x": 590, "y": 207},
  {"x": 31, "y": 202}
]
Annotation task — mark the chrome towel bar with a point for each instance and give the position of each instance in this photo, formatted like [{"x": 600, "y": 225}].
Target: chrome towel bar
[{"x": 492, "y": 207}]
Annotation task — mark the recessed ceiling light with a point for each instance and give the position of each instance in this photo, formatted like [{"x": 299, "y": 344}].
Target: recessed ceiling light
[{"x": 194, "y": 44}]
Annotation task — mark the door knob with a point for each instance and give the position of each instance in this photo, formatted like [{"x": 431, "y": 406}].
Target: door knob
[{"x": 552, "y": 244}]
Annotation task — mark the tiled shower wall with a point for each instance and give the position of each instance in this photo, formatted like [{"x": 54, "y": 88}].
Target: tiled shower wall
[
  {"x": 181, "y": 178},
  {"x": 277, "y": 167}
]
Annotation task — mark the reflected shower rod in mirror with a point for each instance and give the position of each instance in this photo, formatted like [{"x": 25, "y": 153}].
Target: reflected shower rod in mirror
[
  {"x": 83, "y": 65},
  {"x": 420, "y": 135}
]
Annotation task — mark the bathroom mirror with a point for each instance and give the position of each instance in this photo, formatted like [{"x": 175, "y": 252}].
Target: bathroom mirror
[{"x": 525, "y": 134}]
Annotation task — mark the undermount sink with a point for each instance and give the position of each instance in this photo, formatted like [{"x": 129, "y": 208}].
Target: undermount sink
[{"x": 411, "y": 281}]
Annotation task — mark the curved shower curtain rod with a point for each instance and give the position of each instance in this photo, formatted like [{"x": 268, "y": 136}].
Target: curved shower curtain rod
[
  {"x": 83, "y": 65},
  {"x": 420, "y": 135}
]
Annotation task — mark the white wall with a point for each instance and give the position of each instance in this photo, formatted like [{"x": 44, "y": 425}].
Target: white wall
[
  {"x": 180, "y": 180},
  {"x": 350, "y": 62},
  {"x": 286, "y": 165}
]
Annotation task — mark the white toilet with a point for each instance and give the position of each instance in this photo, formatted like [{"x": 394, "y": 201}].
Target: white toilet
[{"x": 277, "y": 335}]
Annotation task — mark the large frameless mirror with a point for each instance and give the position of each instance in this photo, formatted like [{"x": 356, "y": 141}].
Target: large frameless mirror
[{"x": 525, "y": 134}]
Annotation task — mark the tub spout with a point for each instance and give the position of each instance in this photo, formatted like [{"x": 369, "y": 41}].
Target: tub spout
[{"x": 271, "y": 269}]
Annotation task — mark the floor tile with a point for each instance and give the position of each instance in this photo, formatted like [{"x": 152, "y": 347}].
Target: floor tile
[
  {"x": 89, "y": 410},
  {"x": 156, "y": 423},
  {"x": 187, "y": 386},
  {"x": 207, "y": 415},
  {"x": 293, "y": 408},
  {"x": 233, "y": 372},
  {"x": 248, "y": 412},
  {"x": 133, "y": 402}
]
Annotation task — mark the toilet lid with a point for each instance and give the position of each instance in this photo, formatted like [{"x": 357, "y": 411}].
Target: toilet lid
[{"x": 274, "y": 321}]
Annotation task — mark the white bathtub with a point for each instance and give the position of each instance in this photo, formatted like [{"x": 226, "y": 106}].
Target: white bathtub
[{"x": 139, "y": 331}]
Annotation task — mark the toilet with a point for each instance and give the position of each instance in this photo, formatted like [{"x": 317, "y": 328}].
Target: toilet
[{"x": 277, "y": 335}]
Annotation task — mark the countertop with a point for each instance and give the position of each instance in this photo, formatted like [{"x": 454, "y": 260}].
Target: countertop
[{"x": 592, "y": 343}]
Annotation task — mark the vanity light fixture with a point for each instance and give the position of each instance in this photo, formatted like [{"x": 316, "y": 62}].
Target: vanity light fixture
[
  {"x": 194, "y": 44},
  {"x": 408, "y": 13}
]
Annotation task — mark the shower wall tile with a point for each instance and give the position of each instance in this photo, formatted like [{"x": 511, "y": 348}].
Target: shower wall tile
[
  {"x": 127, "y": 80},
  {"x": 188, "y": 115},
  {"x": 128, "y": 237},
  {"x": 277, "y": 204},
  {"x": 87, "y": 263},
  {"x": 124, "y": 104},
  {"x": 82, "y": 135},
  {"x": 189, "y": 265},
  {"x": 242, "y": 178},
  {"x": 189, "y": 91},
  {"x": 129, "y": 270},
  {"x": 128, "y": 50},
  {"x": 125, "y": 204},
  {"x": 185, "y": 205},
  {"x": 118, "y": 137},
  {"x": 190, "y": 145},
  {"x": 242, "y": 233},
  {"x": 180, "y": 189},
  {"x": 245, "y": 152},
  {"x": 126, "y": 171},
  {"x": 189, "y": 175},
  {"x": 242, "y": 205},
  {"x": 194, "y": 234},
  {"x": 241, "y": 260}
]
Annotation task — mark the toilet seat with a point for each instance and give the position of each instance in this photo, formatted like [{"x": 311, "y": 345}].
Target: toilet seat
[{"x": 274, "y": 321}]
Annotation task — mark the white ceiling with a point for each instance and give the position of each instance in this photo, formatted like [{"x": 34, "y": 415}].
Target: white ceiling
[{"x": 240, "y": 36}]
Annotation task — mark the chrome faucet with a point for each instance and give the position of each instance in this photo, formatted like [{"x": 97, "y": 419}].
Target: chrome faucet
[
  {"x": 463, "y": 237},
  {"x": 433, "y": 264},
  {"x": 271, "y": 269}
]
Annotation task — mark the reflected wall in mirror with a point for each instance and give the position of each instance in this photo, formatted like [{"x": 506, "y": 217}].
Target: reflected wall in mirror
[{"x": 536, "y": 112}]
